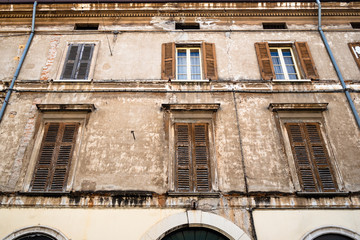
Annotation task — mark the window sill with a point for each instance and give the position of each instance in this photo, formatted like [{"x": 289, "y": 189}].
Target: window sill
[
  {"x": 72, "y": 80},
  {"x": 291, "y": 81},
  {"x": 191, "y": 81},
  {"x": 322, "y": 194},
  {"x": 195, "y": 194}
]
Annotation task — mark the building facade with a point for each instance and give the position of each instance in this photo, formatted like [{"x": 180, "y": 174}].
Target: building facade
[{"x": 180, "y": 120}]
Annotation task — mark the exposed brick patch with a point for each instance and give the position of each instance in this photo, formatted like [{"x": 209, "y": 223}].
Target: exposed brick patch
[
  {"x": 54, "y": 42},
  {"x": 24, "y": 142}
]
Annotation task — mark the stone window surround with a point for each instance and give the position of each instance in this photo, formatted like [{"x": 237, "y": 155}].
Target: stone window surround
[
  {"x": 61, "y": 64},
  {"x": 191, "y": 113},
  {"x": 304, "y": 112},
  {"x": 59, "y": 113}
]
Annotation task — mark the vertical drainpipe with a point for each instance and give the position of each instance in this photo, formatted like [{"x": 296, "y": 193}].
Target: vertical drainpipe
[
  {"x": 8, "y": 94},
  {"x": 347, "y": 94}
]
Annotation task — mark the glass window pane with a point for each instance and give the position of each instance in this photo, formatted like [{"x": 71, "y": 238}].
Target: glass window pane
[
  {"x": 291, "y": 69},
  {"x": 280, "y": 76},
  {"x": 293, "y": 76},
  {"x": 288, "y": 60},
  {"x": 278, "y": 69},
  {"x": 276, "y": 60}
]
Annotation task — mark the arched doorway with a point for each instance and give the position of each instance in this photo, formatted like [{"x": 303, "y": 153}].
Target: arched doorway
[
  {"x": 194, "y": 233},
  {"x": 331, "y": 236},
  {"x": 35, "y": 236}
]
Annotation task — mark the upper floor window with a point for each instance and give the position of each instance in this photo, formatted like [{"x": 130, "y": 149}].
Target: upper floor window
[
  {"x": 285, "y": 61},
  {"x": 78, "y": 61},
  {"x": 188, "y": 62},
  {"x": 355, "y": 50}
]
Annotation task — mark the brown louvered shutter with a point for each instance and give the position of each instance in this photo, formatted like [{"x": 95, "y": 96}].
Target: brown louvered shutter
[
  {"x": 83, "y": 66},
  {"x": 311, "y": 157},
  {"x": 356, "y": 54},
  {"x": 201, "y": 158},
  {"x": 306, "y": 60},
  {"x": 320, "y": 157},
  {"x": 183, "y": 157},
  {"x": 264, "y": 59},
  {"x": 168, "y": 61},
  {"x": 209, "y": 56},
  {"x": 55, "y": 156}
]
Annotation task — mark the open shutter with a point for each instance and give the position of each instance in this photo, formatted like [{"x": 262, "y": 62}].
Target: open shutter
[
  {"x": 302, "y": 157},
  {"x": 84, "y": 61},
  {"x": 201, "y": 158},
  {"x": 306, "y": 60},
  {"x": 47, "y": 152},
  {"x": 71, "y": 62},
  {"x": 65, "y": 148},
  {"x": 356, "y": 54},
  {"x": 168, "y": 61},
  {"x": 183, "y": 157},
  {"x": 320, "y": 158},
  {"x": 55, "y": 157},
  {"x": 209, "y": 56},
  {"x": 264, "y": 59}
]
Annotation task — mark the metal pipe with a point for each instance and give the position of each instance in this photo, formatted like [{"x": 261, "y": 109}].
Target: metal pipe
[
  {"x": 347, "y": 94},
  {"x": 10, "y": 90}
]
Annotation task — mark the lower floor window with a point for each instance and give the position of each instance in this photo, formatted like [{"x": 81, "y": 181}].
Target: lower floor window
[
  {"x": 311, "y": 157},
  {"x": 192, "y": 157},
  {"x": 53, "y": 163}
]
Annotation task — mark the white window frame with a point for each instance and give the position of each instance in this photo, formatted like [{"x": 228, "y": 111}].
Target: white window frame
[
  {"x": 188, "y": 64},
  {"x": 283, "y": 65}
]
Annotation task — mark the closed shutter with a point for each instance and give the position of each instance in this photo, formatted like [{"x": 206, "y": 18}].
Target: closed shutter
[
  {"x": 356, "y": 54},
  {"x": 78, "y": 60},
  {"x": 264, "y": 59},
  {"x": 183, "y": 157},
  {"x": 55, "y": 156},
  {"x": 168, "y": 61},
  {"x": 201, "y": 156},
  {"x": 70, "y": 62},
  {"x": 311, "y": 157},
  {"x": 192, "y": 158},
  {"x": 84, "y": 61},
  {"x": 209, "y": 56},
  {"x": 306, "y": 60}
]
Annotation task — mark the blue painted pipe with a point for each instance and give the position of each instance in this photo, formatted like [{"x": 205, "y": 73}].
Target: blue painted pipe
[
  {"x": 347, "y": 94},
  {"x": 8, "y": 94}
]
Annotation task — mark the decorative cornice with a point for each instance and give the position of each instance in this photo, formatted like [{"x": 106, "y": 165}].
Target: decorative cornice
[
  {"x": 66, "y": 107},
  {"x": 275, "y": 13},
  {"x": 275, "y": 107},
  {"x": 191, "y": 106}
]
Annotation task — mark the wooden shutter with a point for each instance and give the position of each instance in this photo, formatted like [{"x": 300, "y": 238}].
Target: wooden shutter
[
  {"x": 168, "y": 61},
  {"x": 320, "y": 157},
  {"x": 55, "y": 156},
  {"x": 83, "y": 66},
  {"x": 355, "y": 54},
  {"x": 311, "y": 157},
  {"x": 209, "y": 56},
  {"x": 71, "y": 62},
  {"x": 183, "y": 157},
  {"x": 264, "y": 59},
  {"x": 306, "y": 60},
  {"x": 78, "y": 60},
  {"x": 201, "y": 158}
]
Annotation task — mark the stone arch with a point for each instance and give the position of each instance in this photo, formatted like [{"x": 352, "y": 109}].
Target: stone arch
[
  {"x": 37, "y": 229},
  {"x": 331, "y": 229},
  {"x": 195, "y": 218}
]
